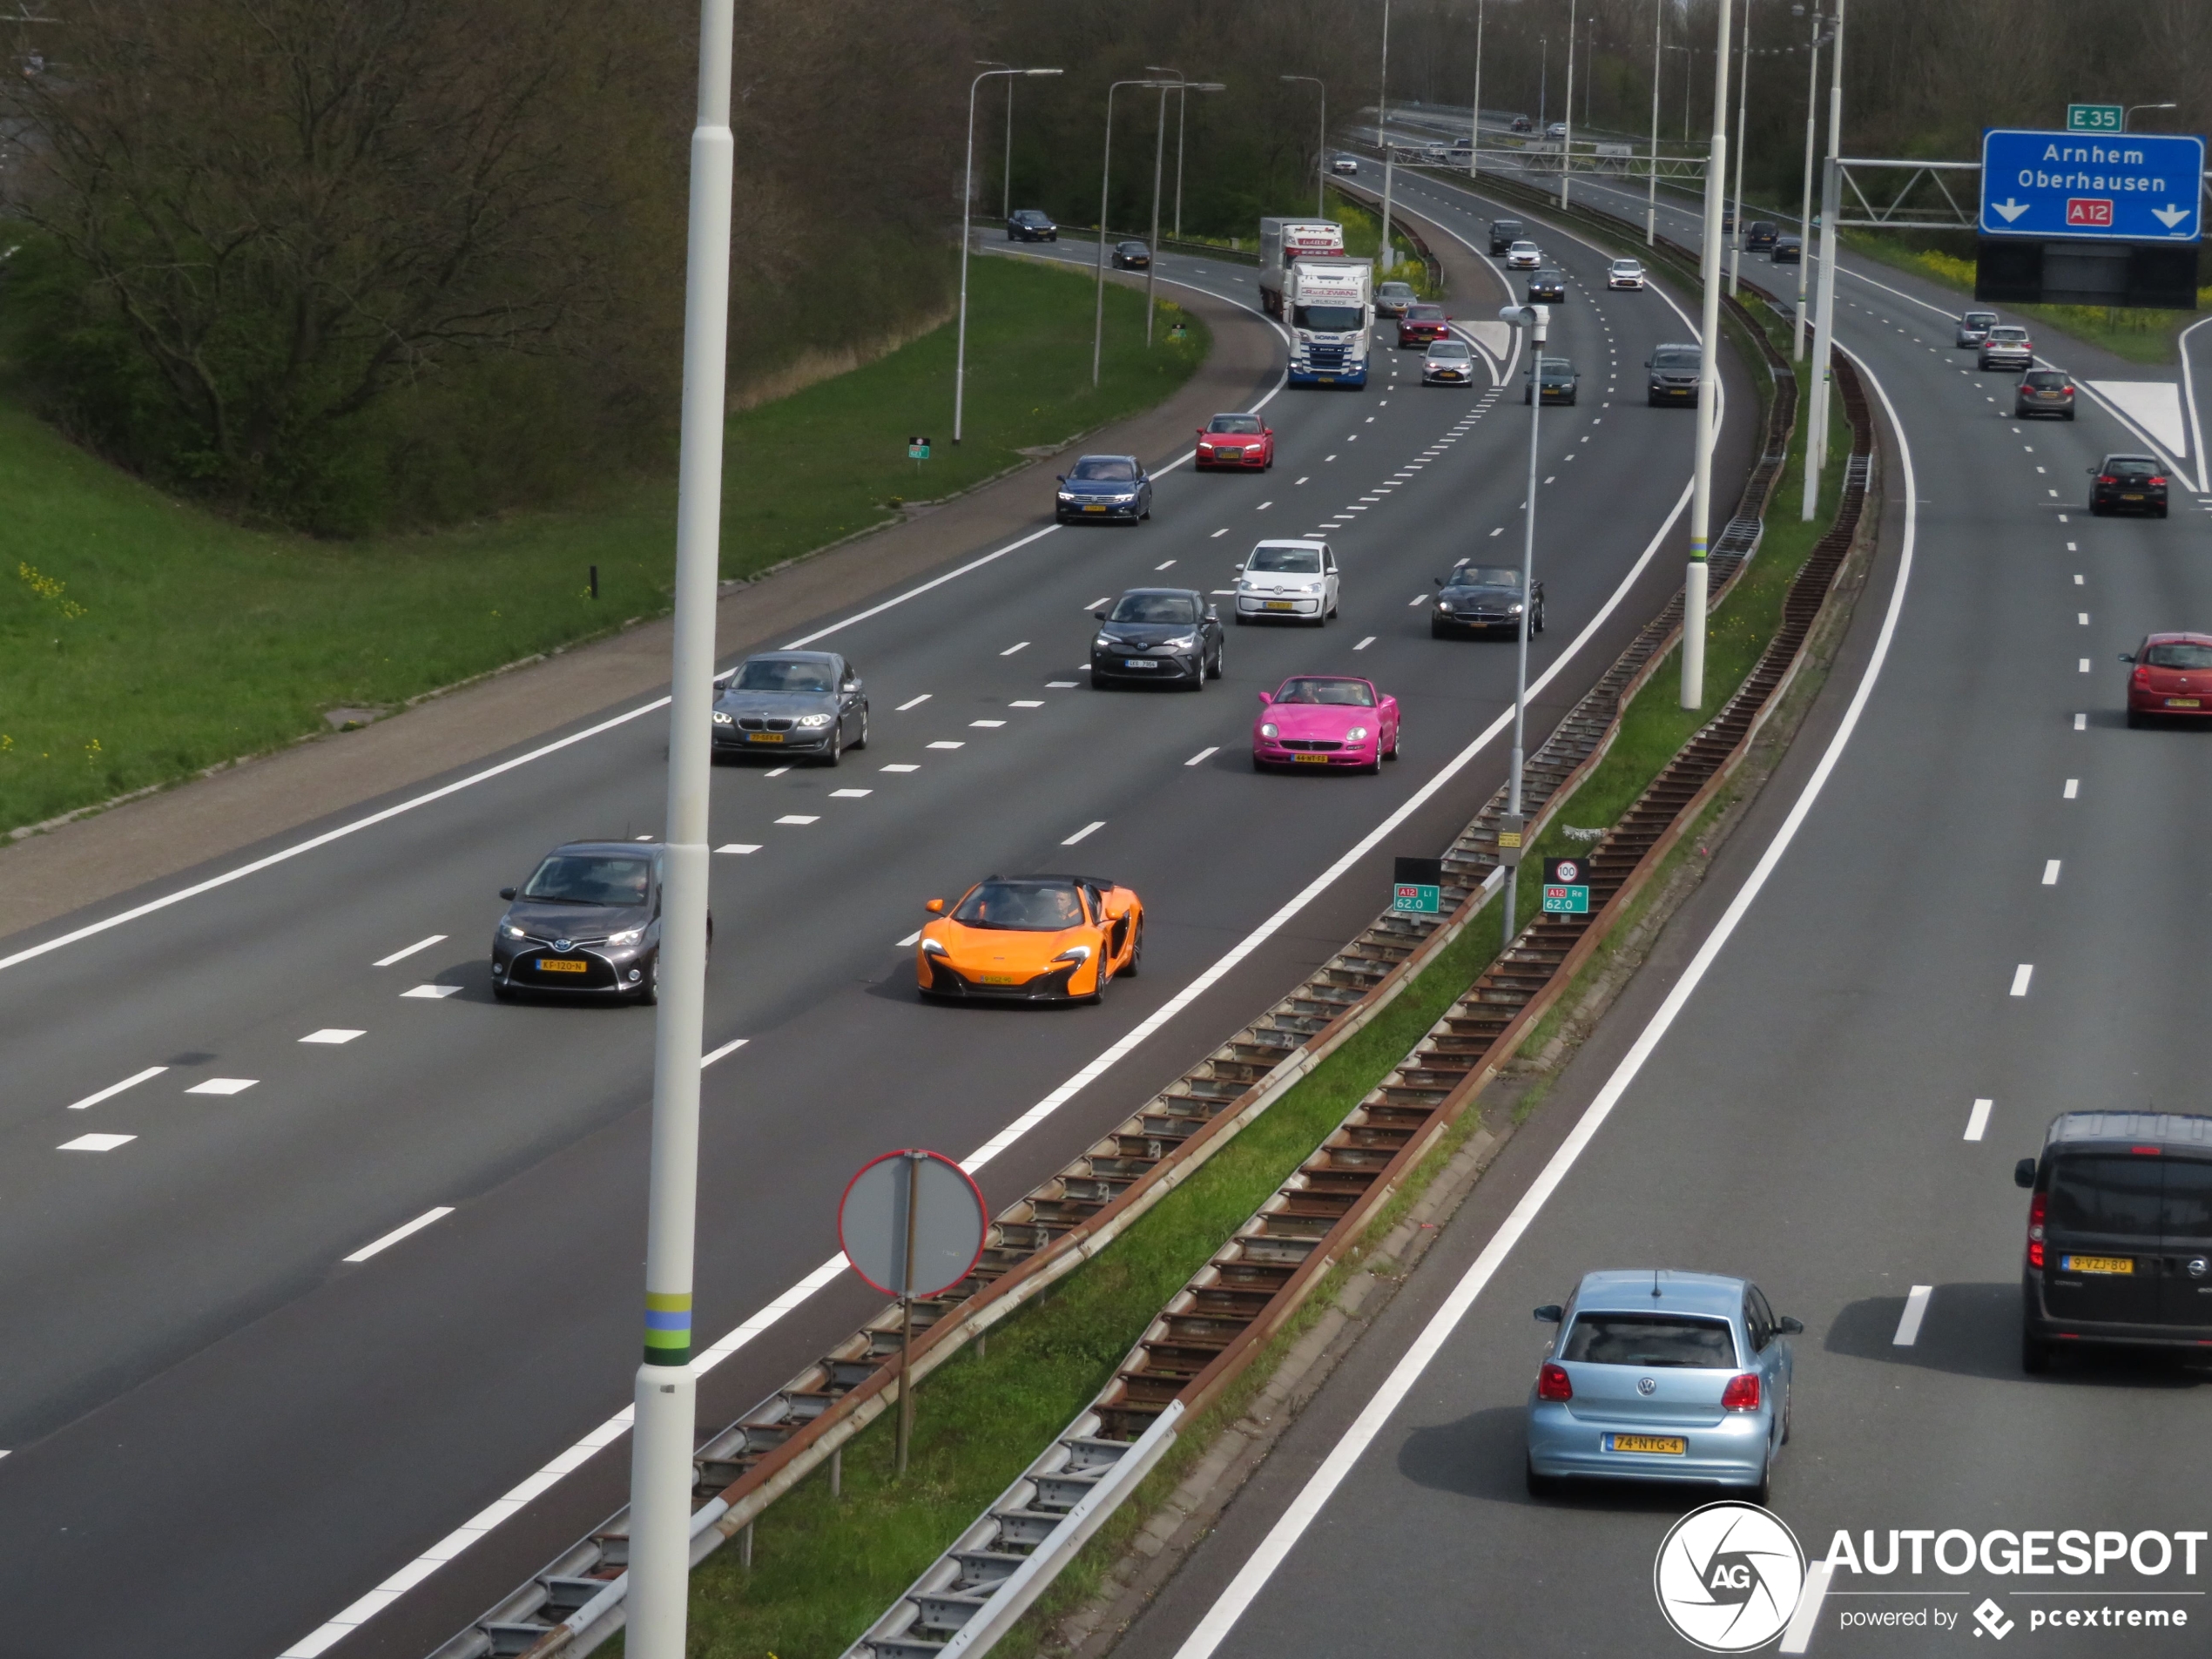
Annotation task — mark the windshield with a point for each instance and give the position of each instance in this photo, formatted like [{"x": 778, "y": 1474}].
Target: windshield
[
  {"x": 1105, "y": 470},
  {"x": 575, "y": 878},
  {"x": 1651, "y": 1339},
  {"x": 1155, "y": 607},
  {"x": 1328, "y": 319},
  {"x": 1447, "y": 348},
  {"x": 1132, "y": 247},
  {"x": 1675, "y": 360},
  {"x": 1396, "y": 290},
  {"x": 1246, "y": 423},
  {"x": 1626, "y": 264},
  {"x": 1485, "y": 575},
  {"x": 1298, "y": 561},
  {"x": 2179, "y": 656},
  {"x": 1351, "y": 694},
  {"x": 1424, "y": 314},
  {"x": 767, "y": 674},
  {"x": 1557, "y": 368},
  {"x": 1980, "y": 319},
  {"x": 1524, "y": 248},
  {"x": 1026, "y": 907}
]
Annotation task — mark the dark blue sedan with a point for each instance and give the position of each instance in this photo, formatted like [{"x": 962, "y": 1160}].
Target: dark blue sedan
[{"x": 1110, "y": 488}]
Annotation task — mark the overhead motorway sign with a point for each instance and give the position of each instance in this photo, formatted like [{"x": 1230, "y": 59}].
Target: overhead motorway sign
[
  {"x": 2093, "y": 117},
  {"x": 2122, "y": 188}
]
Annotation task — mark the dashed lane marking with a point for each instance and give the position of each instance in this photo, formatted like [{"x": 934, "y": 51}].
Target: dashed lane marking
[
  {"x": 1085, "y": 831},
  {"x": 333, "y": 1035},
  {"x": 401, "y": 955},
  {"x": 1977, "y": 1120},
  {"x": 1915, "y": 1309},
  {"x": 739, "y": 848},
  {"x": 916, "y": 702},
  {"x": 432, "y": 993},
  {"x": 229, "y": 1085},
  {"x": 1203, "y": 755}
]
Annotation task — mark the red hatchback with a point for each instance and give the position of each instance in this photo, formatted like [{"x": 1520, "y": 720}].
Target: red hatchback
[
  {"x": 1243, "y": 441},
  {"x": 2171, "y": 678},
  {"x": 1421, "y": 324}
]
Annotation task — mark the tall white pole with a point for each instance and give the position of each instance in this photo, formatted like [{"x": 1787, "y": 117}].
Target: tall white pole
[
  {"x": 1567, "y": 139},
  {"x": 1651, "y": 184},
  {"x": 1805, "y": 204},
  {"x": 1742, "y": 115},
  {"x": 1825, "y": 317},
  {"x": 1182, "y": 114},
  {"x": 1382, "y": 132},
  {"x": 1536, "y": 318},
  {"x": 1708, "y": 389},
  {"x": 1006, "y": 188},
  {"x": 664, "y": 1405},
  {"x": 1474, "y": 125},
  {"x": 1105, "y": 178},
  {"x": 1152, "y": 265},
  {"x": 1321, "y": 157},
  {"x": 966, "y": 203}
]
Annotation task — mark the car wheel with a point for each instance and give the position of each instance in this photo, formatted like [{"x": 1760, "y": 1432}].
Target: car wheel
[
  {"x": 2035, "y": 1355},
  {"x": 1542, "y": 1486},
  {"x": 837, "y": 744},
  {"x": 2067, "y": 414},
  {"x": 1391, "y": 754},
  {"x": 1243, "y": 620},
  {"x": 1789, "y": 1405},
  {"x": 501, "y": 990},
  {"x": 1101, "y": 682},
  {"x": 1436, "y": 629},
  {"x": 1758, "y": 1491},
  {"x": 2161, "y": 509},
  {"x": 2096, "y": 509},
  {"x": 1215, "y": 674},
  {"x": 861, "y": 742},
  {"x": 1539, "y": 619},
  {"x": 649, "y": 993},
  {"x": 1136, "y": 951}
]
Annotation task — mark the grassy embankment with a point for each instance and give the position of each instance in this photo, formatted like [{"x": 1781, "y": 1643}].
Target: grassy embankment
[
  {"x": 142, "y": 640},
  {"x": 823, "y": 1569}
]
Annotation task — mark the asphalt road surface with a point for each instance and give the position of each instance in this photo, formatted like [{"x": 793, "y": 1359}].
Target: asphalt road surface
[
  {"x": 1970, "y": 900},
  {"x": 236, "y": 1406}
]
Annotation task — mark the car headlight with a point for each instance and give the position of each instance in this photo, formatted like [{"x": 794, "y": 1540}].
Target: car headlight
[
  {"x": 1356, "y": 734},
  {"x": 1269, "y": 729},
  {"x": 931, "y": 947},
  {"x": 1187, "y": 642},
  {"x": 512, "y": 932},
  {"x": 813, "y": 721},
  {"x": 1125, "y": 497},
  {"x": 1067, "y": 495},
  {"x": 627, "y": 936},
  {"x": 1444, "y": 605},
  {"x": 720, "y": 718},
  {"x": 1074, "y": 954},
  {"x": 1513, "y": 611}
]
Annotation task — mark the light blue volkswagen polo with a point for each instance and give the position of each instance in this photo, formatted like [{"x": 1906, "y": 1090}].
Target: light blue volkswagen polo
[{"x": 1662, "y": 1376}]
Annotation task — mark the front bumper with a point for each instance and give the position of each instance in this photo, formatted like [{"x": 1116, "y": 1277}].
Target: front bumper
[
  {"x": 1676, "y": 393},
  {"x": 517, "y": 965},
  {"x": 1624, "y": 282},
  {"x": 1260, "y": 606},
  {"x": 1349, "y": 374},
  {"x": 1473, "y": 624},
  {"x": 1302, "y": 754},
  {"x": 730, "y": 739},
  {"x": 1731, "y": 1453},
  {"x": 1251, "y": 458},
  {"x": 1135, "y": 665},
  {"x": 1445, "y": 377},
  {"x": 936, "y": 978},
  {"x": 1075, "y": 512}
]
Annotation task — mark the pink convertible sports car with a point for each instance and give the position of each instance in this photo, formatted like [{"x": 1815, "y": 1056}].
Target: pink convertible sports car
[{"x": 1325, "y": 720}]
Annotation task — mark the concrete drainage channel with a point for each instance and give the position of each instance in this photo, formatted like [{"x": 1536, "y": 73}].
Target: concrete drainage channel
[{"x": 576, "y": 1602}]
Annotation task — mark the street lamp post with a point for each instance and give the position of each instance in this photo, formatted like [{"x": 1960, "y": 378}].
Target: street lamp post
[
  {"x": 967, "y": 209},
  {"x": 1708, "y": 389},
  {"x": 1321, "y": 149},
  {"x": 1474, "y": 124},
  {"x": 1182, "y": 89},
  {"x": 1805, "y": 204},
  {"x": 664, "y": 1409},
  {"x": 1543, "y": 85},
  {"x": 1157, "y": 69},
  {"x": 1006, "y": 186},
  {"x": 1567, "y": 138},
  {"x": 1742, "y": 115},
  {"x": 1536, "y": 320},
  {"x": 1382, "y": 132},
  {"x": 2128, "y": 114},
  {"x": 1831, "y": 190},
  {"x": 1651, "y": 183},
  {"x": 1105, "y": 177}
]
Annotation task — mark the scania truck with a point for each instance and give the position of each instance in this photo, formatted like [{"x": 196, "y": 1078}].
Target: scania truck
[
  {"x": 1283, "y": 242},
  {"x": 1328, "y": 304}
]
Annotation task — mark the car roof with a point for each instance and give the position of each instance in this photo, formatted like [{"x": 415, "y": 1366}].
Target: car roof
[
  {"x": 1290, "y": 541},
  {"x": 1628, "y": 261},
  {"x": 1451, "y": 347},
  {"x": 2148, "y": 461},
  {"x": 791, "y": 656},
  {"x": 605, "y": 848},
  {"x": 1675, "y": 345},
  {"x": 1238, "y": 414},
  {"x": 1174, "y": 593},
  {"x": 1629, "y": 1290},
  {"x": 1081, "y": 459},
  {"x": 2189, "y": 1130},
  {"x": 2177, "y": 639}
]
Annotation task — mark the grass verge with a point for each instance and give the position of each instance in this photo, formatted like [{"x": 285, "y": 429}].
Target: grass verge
[{"x": 142, "y": 640}]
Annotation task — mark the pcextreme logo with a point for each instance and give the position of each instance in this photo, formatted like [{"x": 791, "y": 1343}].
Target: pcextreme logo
[{"x": 1728, "y": 1577}]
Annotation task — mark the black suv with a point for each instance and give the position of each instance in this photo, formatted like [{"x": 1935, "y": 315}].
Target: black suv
[
  {"x": 1760, "y": 235},
  {"x": 2119, "y": 1234},
  {"x": 1504, "y": 232},
  {"x": 2127, "y": 484},
  {"x": 1029, "y": 224},
  {"x": 1673, "y": 372}
]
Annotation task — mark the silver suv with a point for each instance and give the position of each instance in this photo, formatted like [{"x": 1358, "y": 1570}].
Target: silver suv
[
  {"x": 1973, "y": 328},
  {"x": 2007, "y": 347}
]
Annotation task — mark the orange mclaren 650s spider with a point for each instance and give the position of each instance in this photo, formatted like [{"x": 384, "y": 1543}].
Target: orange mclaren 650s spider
[{"x": 1030, "y": 939}]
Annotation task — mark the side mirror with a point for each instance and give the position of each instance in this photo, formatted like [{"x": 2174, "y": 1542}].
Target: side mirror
[
  {"x": 1213, "y": 614},
  {"x": 1101, "y": 615},
  {"x": 935, "y": 906},
  {"x": 1789, "y": 1327},
  {"x": 1060, "y": 478},
  {"x": 2024, "y": 1173},
  {"x": 507, "y": 892},
  {"x": 2126, "y": 656},
  {"x": 1550, "y": 1313},
  {"x": 1267, "y": 697}
]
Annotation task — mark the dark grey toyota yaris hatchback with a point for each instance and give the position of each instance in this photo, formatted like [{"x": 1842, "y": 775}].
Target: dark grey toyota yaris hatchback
[{"x": 586, "y": 923}]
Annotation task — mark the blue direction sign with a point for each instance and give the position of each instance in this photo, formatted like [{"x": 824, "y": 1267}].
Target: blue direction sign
[{"x": 2114, "y": 187}]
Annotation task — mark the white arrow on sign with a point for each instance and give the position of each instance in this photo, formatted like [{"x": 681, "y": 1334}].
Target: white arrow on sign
[
  {"x": 2169, "y": 215},
  {"x": 2008, "y": 210}
]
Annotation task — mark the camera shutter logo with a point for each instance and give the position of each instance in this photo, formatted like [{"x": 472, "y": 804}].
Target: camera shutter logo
[{"x": 1728, "y": 1577}]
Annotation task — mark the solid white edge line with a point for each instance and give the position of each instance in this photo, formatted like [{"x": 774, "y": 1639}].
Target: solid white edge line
[
  {"x": 1915, "y": 1309},
  {"x": 398, "y": 1233},
  {"x": 722, "y": 1053},
  {"x": 401, "y": 955},
  {"x": 113, "y": 1090},
  {"x": 1977, "y": 1120},
  {"x": 2188, "y": 394},
  {"x": 351, "y": 1617},
  {"x": 1806, "y": 1617},
  {"x": 1243, "y": 1589}
]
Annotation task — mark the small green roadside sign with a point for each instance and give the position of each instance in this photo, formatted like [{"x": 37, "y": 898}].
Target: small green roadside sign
[
  {"x": 1566, "y": 889},
  {"x": 2093, "y": 118},
  {"x": 917, "y": 449},
  {"x": 1417, "y": 887}
]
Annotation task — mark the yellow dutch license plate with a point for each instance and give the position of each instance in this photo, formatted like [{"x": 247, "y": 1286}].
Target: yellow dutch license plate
[
  {"x": 1282, "y": 604},
  {"x": 764, "y": 737},
  {"x": 553, "y": 965},
  {"x": 2096, "y": 1264},
  {"x": 1648, "y": 1444},
  {"x": 2184, "y": 702},
  {"x": 999, "y": 978},
  {"x": 1311, "y": 760},
  {"x": 1094, "y": 509},
  {"x": 2131, "y": 498}
]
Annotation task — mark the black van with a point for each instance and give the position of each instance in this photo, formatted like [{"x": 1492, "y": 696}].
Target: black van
[
  {"x": 2119, "y": 1234},
  {"x": 1759, "y": 236},
  {"x": 1504, "y": 232}
]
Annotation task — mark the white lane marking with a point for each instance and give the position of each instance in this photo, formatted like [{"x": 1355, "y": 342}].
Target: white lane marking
[
  {"x": 741, "y": 848},
  {"x": 906, "y": 766},
  {"x": 1084, "y": 831},
  {"x": 1215, "y": 536},
  {"x": 1418, "y": 599},
  {"x": 1010, "y": 649},
  {"x": 1501, "y": 530},
  {"x": 2021, "y": 974},
  {"x": 1363, "y": 644},
  {"x": 2082, "y": 617},
  {"x": 225, "y": 1085},
  {"x": 1303, "y": 480},
  {"x": 333, "y": 1035},
  {"x": 2072, "y": 788},
  {"x": 432, "y": 993},
  {"x": 113, "y": 1090},
  {"x": 1260, "y": 1566},
  {"x": 909, "y": 941},
  {"x": 1203, "y": 755},
  {"x": 1915, "y": 1309},
  {"x": 850, "y": 794},
  {"x": 987, "y": 726},
  {"x": 1977, "y": 1120},
  {"x": 2050, "y": 872},
  {"x": 398, "y": 1233},
  {"x": 2085, "y": 665},
  {"x": 946, "y": 743},
  {"x": 912, "y": 703},
  {"x": 1328, "y": 458},
  {"x": 1060, "y": 686},
  {"x": 2078, "y": 581},
  {"x": 2072, "y": 548},
  {"x": 833, "y": 1271},
  {"x": 916, "y": 593},
  {"x": 722, "y": 1053},
  {"x": 776, "y": 771},
  {"x": 95, "y": 1142},
  {"x": 1163, "y": 566},
  {"x": 2081, "y": 722},
  {"x": 799, "y": 818},
  {"x": 401, "y": 955},
  {"x": 1026, "y": 702},
  {"x": 1806, "y": 1619}
]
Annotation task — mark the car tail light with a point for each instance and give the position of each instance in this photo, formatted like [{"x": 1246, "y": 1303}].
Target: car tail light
[
  {"x": 2157, "y": 480},
  {"x": 2107, "y": 478},
  {"x": 1741, "y": 1393},
  {"x": 2143, "y": 677},
  {"x": 1553, "y": 1383},
  {"x": 2035, "y": 1209}
]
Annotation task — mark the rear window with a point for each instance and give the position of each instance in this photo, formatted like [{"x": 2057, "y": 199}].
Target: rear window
[
  {"x": 1980, "y": 319},
  {"x": 2009, "y": 335},
  {"x": 2130, "y": 466},
  {"x": 2181, "y": 655},
  {"x": 1652, "y": 1340},
  {"x": 2046, "y": 380},
  {"x": 2106, "y": 1195}
]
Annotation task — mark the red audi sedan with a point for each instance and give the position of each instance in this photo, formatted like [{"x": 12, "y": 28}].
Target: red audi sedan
[
  {"x": 2171, "y": 680},
  {"x": 1243, "y": 441}
]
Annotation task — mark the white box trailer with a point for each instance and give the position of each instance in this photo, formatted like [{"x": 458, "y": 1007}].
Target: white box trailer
[
  {"x": 1329, "y": 304},
  {"x": 1283, "y": 242}
]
